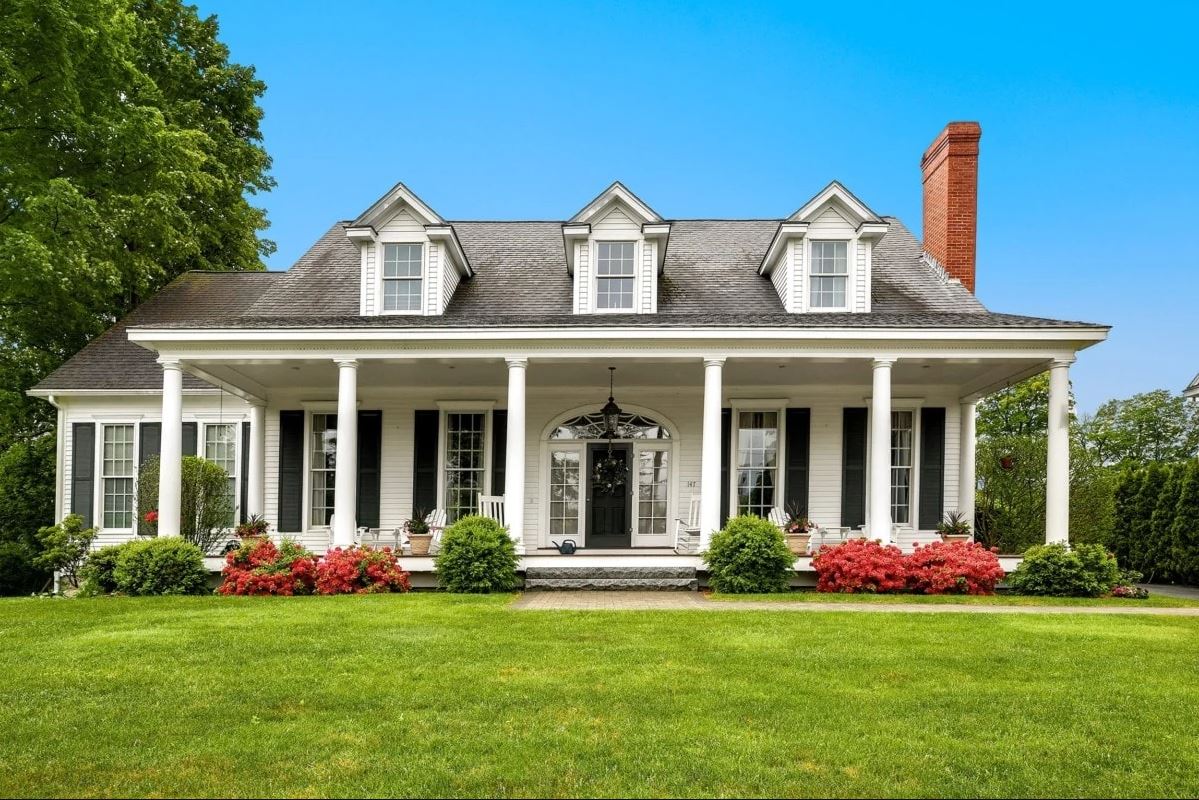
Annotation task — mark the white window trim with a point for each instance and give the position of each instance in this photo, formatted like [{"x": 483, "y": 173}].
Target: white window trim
[
  {"x": 850, "y": 273},
  {"x": 457, "y": 407},
  {"x": 594, "y": 278},
  {"x": 380, "y": 248},
  {"x": 104, "y": 421},
  {"x": 776, "y": 406}
]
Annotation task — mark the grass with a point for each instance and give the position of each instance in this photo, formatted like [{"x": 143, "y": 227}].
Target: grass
[
  {"x": 807, "y": 596},
  {"x": 440, "y": 695}
]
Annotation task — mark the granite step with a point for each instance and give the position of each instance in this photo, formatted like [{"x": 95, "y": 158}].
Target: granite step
[{"x": 584, "y": 584}]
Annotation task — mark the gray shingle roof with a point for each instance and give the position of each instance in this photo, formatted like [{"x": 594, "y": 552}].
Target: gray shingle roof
[{"x": 709, "y": 279}]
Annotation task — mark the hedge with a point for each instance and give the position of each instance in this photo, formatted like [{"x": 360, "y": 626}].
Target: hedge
[{"x": 1157, "y": 521}]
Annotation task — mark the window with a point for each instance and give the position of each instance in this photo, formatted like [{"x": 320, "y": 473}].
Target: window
[
  {"x": 402, "y": 269},
  {"x": 564, "y": 493},
  {"x": 117, "y": 472},
  {"x": 464, "y": 465},
  {"x": 757, "y": 461},
  {"x": 614, "y": 275},
  {"x": 653, "y": 485},
  {"x": 220, "y": 447},
  {"x": 830, "y": 274},
  {"x": 322, "y": 467},
  {"x": 901, "y": 466}
]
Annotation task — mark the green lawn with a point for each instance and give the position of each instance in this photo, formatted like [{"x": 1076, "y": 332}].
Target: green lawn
[
  {"x": 804, "y": 596},
  {"x": 436, "y": 695}
]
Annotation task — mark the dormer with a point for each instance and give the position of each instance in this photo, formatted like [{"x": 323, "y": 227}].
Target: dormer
[
  {"x": 411, "y": 259},
  {"x": 819, "y": 258},
  {"x": 615, "y": 248}
]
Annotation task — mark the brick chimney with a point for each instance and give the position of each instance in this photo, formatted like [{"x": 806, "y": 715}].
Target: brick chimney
[{"x": 950, "y": 167}]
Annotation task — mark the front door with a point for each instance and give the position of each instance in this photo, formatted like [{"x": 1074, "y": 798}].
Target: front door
[{"x": 609, "y": 510}]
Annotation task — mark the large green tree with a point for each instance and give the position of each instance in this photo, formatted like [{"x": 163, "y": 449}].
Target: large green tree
[
  {"x": 130, "y": 150},
  {"x": 1151, "y": 426}
]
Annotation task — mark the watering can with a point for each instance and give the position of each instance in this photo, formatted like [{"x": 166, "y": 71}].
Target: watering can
[{"x": 567, "y": 547}]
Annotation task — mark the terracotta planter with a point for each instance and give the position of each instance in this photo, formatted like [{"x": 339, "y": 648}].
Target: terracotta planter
[
  {"x": 798, "y": 542},
  {"x": 420, "y": 543},
  {"x": 955, "y": 537}
]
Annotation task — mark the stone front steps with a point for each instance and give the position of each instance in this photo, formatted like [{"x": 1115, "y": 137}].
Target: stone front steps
[{"x": 634, "y": 579}]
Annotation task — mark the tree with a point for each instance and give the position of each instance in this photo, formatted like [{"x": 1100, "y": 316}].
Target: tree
[
  {"x": 1184, "y": 533},
  {"x": 206, "y": 504},
  {"x": 129, "y": 150},
  {"x": 1140, "y": 522},
  {"x": 1151, "y": 426},
  {"x": 1128, "y": 488},
  {"x": 1158, "y": 544},
  {"x": 64, "y": 547},
  {"x": 1018, "y": 410}
]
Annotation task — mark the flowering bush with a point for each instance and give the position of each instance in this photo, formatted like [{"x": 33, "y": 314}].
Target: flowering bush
[
  {"x": 1131, "y": 592},
  {"x": 260, "y": 566},
  {"x": 151, "y": 517},
  {"x": 953, "y": 568},
  {"x": 360, "y": 570},
  {"x": 860, "y": 565}
]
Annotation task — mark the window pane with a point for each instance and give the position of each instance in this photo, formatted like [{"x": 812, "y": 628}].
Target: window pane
[
  {"x": 117, "y": 473},
  {"x": 463, "y": 463},
  {"x": 614, "y": 293},
  {"x": 901, "y": 466},
  {"x": 322, "y": 465},
  {"x": 564, "y": 484},
  {"x": 402, "y": 260},
  {"x": 615, "y": 258},
  {"x": 757, "y": 461},
  {"x": 402, "y": 294},
  {"x": 220, "y": 447},
  {"x": 653, "y": 485}
]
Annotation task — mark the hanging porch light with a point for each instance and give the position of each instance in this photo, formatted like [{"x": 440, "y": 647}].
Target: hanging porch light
[{"x": 611, "y": 412}]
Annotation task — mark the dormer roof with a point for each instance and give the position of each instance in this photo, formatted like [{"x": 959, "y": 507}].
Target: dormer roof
[
  {"x": 616, "y": 193},
  {"x": 395, "y": 198},
  {"x": 840, "y": 196}
]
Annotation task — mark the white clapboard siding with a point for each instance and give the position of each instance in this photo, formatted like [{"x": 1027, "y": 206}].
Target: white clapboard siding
[
  {"x": 432, "y": 284},
  {"x": 781, "y": 278}
]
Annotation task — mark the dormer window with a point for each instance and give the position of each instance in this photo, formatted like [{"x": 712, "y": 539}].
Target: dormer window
[
  {"x": 402, "y": 277},
  {"x": 615, "y": 275},
  {"x": 829, "y": 275}
]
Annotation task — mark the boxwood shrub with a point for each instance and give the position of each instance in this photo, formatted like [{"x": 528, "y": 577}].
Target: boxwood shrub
[
  {"x": 1087, "y": 570},
  {"x": 749, "y": 556},
  {"x": 160, "y": 566},
  {"x": 98, "y": 571},
  {"x": 477, "y": 556}
]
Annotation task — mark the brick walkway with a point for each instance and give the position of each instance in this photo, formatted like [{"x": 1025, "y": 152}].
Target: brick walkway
[{"x": 694, "y": 601}]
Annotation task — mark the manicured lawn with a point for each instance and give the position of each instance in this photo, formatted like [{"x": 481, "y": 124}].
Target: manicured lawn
[
  {"x": 1153, "y": 601},
  {"x": 436, "y": 695}
]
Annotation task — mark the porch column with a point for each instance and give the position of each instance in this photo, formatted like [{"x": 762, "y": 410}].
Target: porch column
[
  {"x": 710, "y": 488},
  {"x": 514, "y": 459},
  {"x": 967, "y": 482},
  {"x": 1057, "y": 471},
  {"x": 170, "y": 452},
  {"x": 878, "y": 512},
  {"x": 256, "y": 461},
  {"x": 345, "y": 489}
]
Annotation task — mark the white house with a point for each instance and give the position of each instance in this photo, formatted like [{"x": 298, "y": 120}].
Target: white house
[
  {"x": 1192, "y": 390},
  {"x": 825, "y": 360}
]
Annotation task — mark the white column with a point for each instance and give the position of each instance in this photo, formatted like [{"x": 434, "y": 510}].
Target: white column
[
  {"x": 345, "y": 490},
  {"x": 170, "y": 453},
  {"x": 710, "y": 488},
  {"x": 514, "y": 459},
  {"x": 878, "y": 510},
  {"x": 967, "y": 482},
  {"x": 256, "y": 462},
  {"x": 1057, "y": 471}
]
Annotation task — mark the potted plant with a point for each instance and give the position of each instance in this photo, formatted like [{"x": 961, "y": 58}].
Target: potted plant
[
  {"x": 798, "y": 531},
  {"x": 252, "y": 528},
  {"x": 419, "y": 537},
  {"x": 954, "y": 528}
]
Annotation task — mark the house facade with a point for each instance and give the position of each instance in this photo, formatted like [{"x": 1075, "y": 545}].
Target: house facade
[{"x": 824, "y": 362}]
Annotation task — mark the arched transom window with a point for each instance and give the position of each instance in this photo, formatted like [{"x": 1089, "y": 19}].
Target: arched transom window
[{"x": 591, "y": 426}]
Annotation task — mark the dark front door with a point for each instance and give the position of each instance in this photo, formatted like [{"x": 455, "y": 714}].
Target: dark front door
[{"x": 608, "y": 507}]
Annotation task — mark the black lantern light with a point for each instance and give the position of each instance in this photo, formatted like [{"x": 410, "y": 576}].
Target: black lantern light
[{"x": 611, "y": 412}]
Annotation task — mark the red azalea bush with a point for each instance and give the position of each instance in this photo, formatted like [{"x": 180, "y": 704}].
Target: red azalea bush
[
  {"x": 261, "y": 567},
  {"x": 859, "y": 565},
  {"x": 360, "y": 570},
  {"x": 953, "y": 568}
]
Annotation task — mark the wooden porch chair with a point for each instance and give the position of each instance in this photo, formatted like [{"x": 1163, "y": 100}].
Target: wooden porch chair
[
  {"x": 492, "y": 507},
  {"x": 435, "y": 519},
  {"x": 686, "y": 531},
  {"x": 778, "y": 517}
]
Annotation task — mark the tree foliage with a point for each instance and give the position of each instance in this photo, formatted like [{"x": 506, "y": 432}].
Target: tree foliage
[
  {"x": 1151, "y": 426},
  {"x": 205, "y": 504}
]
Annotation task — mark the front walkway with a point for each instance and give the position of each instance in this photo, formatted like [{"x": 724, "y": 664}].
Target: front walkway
[{"x": 695, "y": 601}]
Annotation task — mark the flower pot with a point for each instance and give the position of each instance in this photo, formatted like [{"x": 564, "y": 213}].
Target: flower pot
[
  {"x": 955, "y": 537},
  {"x": 420, "y": 543},
  {"x": 798, "y": 542}
]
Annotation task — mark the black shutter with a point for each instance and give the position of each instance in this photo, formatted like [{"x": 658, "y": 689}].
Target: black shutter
[
  {"x": 726, "y": 443},
  {"x": 932, "y": 467},
  {"x": 149, "y": 442},
  {"x": 499, "y": 450},
  {"x": 853, "y": 468},
  {"x": 243, "y": 501},
  {"x": 799, "y": 432},
  {"x": 83, "y": 470},
  {"x": 291, "y": 471},
  {"x": 424, "y": 460},
  {"x": 190, "y": 433},
  {"x": 370, "y": 464}
]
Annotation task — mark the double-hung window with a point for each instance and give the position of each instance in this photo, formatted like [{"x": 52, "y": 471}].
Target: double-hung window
[
  {"x": 464, "y": 462},
  {"x": 829, "y": 274},
  {"x": 757, "y": 462},
  {"x": 402, "y": 277},
  {"x": 614, "y": 276},
  {"x": 902, "y": 438},
  {"x": 220, "y": 447},
  {"x": 117, "y": 474},
  {"x": 322, "y": 467}
]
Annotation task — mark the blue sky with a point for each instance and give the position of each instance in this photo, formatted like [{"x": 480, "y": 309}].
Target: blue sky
[{"x": 1089, "y": 173}]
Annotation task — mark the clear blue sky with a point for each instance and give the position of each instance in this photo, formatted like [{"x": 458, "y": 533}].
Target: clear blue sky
[{"x": 1089, "y": 176}]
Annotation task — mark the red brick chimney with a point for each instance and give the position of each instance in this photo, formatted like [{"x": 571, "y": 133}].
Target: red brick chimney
[{"x": 950, "y": 167}]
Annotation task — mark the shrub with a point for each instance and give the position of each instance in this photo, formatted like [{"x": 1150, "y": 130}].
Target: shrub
[
  {"x": 64, "y": 547},
  {"x": 260, "y": 567},
  {"x": 206, "y": 504},
  {"x": 953, "y": 568},
  {"x": 1051, "y": 569},
  {"x": 360, "y": 570},
  {"x": 860, "y": 565},
  {"x": 18, "y": 575},
  {"x": 1184, "y": 532},
  {"x": 98, "y": 573},
  {"x": 477, "y": 556},
  {"x": 160, "y": 566},
  {"x": 748, "y": 556}
]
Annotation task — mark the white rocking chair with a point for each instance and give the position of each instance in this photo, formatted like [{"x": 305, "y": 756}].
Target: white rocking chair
[
  {"x": 778, "y": 517},
  {"x": 492, "y": 507},
  {"x": 686, "y": 531}
]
